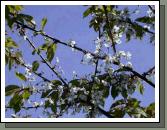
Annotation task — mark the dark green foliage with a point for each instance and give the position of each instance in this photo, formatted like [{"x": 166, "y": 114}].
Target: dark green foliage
[
  {"x": 35, "y": 66},
  {"x": 51, "y": 52},
  {"x": 11, "y": 89},
  {"x": 16, "y": 102},
  {"x": 146, "y": 20}
]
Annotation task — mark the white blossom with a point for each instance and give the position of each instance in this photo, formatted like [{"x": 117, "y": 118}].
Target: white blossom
[
  {"x": 75, "y": 90},
  {"x": 121, "y": 53},
  {"x": 41, "y": 103},
  {"x": 118, "y": 41},
  {"x": 35, "y": 104},
  {"x": 137, "y": 11},
  {"x": 33, "y": 22},
  {"x": 147, "y": 27},
  {"x": 104, "y": 83},
  {"x": 87, "y": 58},
  {"x": 72, "y": 43},
  {"x": 97, "y": 80},
  {"x": 50, "y": 85},
  {"x": 25, "y": 37},
  {"x": 150, "y": 13},
  {"x": 13, "y": 115},
  {"x": 74, "y": 74},
  {"x": 128, "y": 55},
  {"x": 116, "y": 28},
  {"x": 57, "y": 60},
  {"x": 110, "y": 71},
  {"x": 121, "y": 65},
  {"x": 107, "y": 44},
  {"x": 98, "y": 40},
  {"x": 129, "y": 64},
  {"x": 50, "y": 100}
]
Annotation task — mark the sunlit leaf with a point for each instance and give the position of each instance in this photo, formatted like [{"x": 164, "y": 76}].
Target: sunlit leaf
[
  {"x": 21, "y": 76},
  {"x": 10, "y": 43},
  {"x": 43, "y": 23},
  {"x": 26, "y": 94},
  {"x": 51, "y": 52}
]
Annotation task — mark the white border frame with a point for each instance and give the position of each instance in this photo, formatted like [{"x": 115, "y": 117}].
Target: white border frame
[{"x": 4, "y": 119}]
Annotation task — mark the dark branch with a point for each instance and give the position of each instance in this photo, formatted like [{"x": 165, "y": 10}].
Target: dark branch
[
  {"x": 24, "y": 65},
  {"x": 84, "y": 51},
  {"x": 47, "y": 63},
  {"x": 151, "y": 9},
  {"x": 109, "y": 29}
]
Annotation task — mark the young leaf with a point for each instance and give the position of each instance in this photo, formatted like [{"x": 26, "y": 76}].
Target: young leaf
[
  {"x": 87, "y": 12},
  {"x": 26, "y": 94},
  {"x": 21, "y": 76},
  {"x": 51, "y": 52},
  {"x": 10, "y": 43},
  {"x": 10, "y": 89},
  {"x": 43, "y": 23},
  {"x": 140, "y": 87},
  {"x": 35, "y": 66}
]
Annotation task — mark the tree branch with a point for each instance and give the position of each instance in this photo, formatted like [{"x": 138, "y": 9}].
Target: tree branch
[
  {"x": 109, "y": 29},
  {"x": 84, "y": 51},
  {"x": 151, "y": 9},
  {"x": 24, "y": 65},
  {"x": 47, "y": 63}
]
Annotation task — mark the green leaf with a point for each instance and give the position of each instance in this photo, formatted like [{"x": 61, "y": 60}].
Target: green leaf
[
  {"x": 150, "y": 110},
  {"x": 43, "y": 23},
  {"x": 56, "y": 82},
  {"x": 45, "y": 94},
  {"x": 10, "y": 89},
  {"x": 106, "y": 92},
  {"x": 117, "y": 103},
  {"x": 11, "y": 62},
  {"x": 10, "y": 43},
  {"x": 140, "y": 111},
  {"x": 124, "y": 93},
  {"x": 140, "y": 87},
  {"x": 87, "y": 12},
  {"x": 35, "y": 66},
  {"x": 26, "y": 94},
  {"x": 75, "y": 82},
  {"x": 21, "y": 76},
  {"x": 114, "y": 91},
  {"x": 118, "y": 113},
  {"x": 51, "y": 52},
  {"x": 146, "y": 19},
  {"x": 25, "y": 17},
  {"x": 16, "y": 102},
  {"x": 44, "y": 47},
  {"x": 53, "y": 108}
]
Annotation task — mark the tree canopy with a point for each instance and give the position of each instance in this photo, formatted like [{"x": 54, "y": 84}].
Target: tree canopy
[{"x": 113, "y": 74}]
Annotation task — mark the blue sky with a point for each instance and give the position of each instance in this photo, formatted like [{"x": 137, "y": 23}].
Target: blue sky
[{"x": 65, "y": 23}]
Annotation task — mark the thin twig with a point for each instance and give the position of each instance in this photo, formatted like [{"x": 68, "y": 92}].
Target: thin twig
[
  {"x": 84, "y": 51},
  {"x": 24, "y": 65},
  {"x": 47, "y": 63},
  {"x": 109, "y": 29}
]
